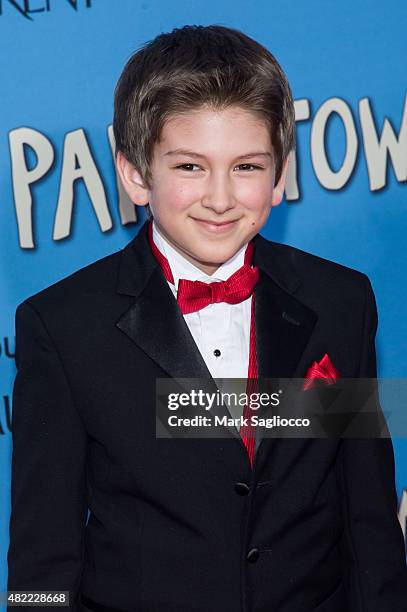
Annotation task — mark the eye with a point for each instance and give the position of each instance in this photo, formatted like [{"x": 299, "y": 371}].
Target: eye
[
  {"x": 250, "y": 166},
  {"x": 187, "y": 167}
]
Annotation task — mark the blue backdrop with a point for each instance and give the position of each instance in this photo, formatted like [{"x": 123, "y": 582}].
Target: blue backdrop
[{"x": 61, "y": 207}]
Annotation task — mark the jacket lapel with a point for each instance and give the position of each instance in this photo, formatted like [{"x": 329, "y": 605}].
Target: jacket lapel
[
  {"x": 284, "y": 325},
  {"x": 155, "y": 323}
]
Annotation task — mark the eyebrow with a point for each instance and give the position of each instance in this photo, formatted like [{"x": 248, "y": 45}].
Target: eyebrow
[{"x": 193, "y": 154}]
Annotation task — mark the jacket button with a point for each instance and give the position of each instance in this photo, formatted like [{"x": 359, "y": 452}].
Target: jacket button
[
  {"x": 253, "y": 555},
  {"x": 242, "y": 488}
]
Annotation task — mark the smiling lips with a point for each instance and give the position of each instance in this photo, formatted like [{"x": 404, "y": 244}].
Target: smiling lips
[{"x": 215, "y": 226}]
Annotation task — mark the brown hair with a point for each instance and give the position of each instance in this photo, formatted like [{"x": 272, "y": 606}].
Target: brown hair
[{"x": 188, "y": 68}]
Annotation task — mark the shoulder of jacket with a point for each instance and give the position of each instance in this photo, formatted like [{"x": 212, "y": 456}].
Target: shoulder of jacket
[
  {"x": 324, "y": 269},
  {"x": 96, "y": 277}
]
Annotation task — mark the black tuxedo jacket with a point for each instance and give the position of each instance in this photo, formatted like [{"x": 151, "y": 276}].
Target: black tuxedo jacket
[{"x": 186, "y": 525}]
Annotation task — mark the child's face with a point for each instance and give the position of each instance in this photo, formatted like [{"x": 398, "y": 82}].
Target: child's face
[{"x": 223, "y": 173}]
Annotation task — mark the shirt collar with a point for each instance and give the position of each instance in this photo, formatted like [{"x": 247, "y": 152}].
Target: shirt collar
[{"x": 182, "y": 268}]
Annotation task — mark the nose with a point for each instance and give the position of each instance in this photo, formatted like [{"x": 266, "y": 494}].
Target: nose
[{"x": 218, "y": 194}]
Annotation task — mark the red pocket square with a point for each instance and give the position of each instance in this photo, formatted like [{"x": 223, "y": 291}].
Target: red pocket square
[{"x": 324, "y": 369}]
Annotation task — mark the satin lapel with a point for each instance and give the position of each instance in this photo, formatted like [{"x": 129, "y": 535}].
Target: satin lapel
[
  {"x": 283, "y": 328},
  {"x": 155, "y": 323},
  {"x": 284, "y": 324}
]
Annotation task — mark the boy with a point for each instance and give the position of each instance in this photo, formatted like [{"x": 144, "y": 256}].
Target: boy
[{"x": 204, "y": 123}]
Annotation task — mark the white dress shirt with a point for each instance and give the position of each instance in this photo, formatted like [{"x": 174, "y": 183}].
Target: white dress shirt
[{"x": 218, "y": 327}]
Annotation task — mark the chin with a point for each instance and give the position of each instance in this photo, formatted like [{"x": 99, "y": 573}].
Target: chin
[{"x": 210, "y": 259}]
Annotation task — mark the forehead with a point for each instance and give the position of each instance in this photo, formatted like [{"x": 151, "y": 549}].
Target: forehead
[{"x": 205, "y": 128}]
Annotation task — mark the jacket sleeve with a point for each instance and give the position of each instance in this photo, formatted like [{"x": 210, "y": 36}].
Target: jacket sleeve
[
  {"x": 373, "y": 545},
  {"x": 48, "y": 486}
]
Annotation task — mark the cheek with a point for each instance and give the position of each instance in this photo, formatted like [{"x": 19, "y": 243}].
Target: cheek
[
  {"x": 256, "y": 197},
  {"x": 176, "y": 193}
]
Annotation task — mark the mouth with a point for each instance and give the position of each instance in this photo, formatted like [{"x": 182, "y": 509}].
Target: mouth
[{"x": 215, "y": 226}]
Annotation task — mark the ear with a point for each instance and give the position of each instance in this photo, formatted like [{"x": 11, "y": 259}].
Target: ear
[
  {"x": 131, "y": 180},
  {"x": 278, "y": 190}
]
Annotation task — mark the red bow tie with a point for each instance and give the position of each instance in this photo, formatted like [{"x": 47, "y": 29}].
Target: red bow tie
[{"x": 194, "y": 295}]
